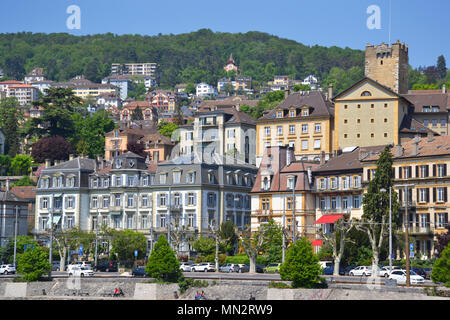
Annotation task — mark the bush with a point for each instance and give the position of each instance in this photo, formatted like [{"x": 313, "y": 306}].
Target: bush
[
  {"x": 441, "y": 268},
  {"x": 33, "y": 263},
  {"x": 301, "y": 266},
  {"x": 241, "y": 258},
  {"x": 163, "y": 263},
  {"x": 279, "y": 285}
]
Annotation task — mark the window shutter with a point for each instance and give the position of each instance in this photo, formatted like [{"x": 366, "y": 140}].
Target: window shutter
[
  {"x": 426, "y": 171},
  {"x": 40, "y": 203},
  {"x": 400, "y": 169},
  {"x": 400, "y": 195},
  {"x": 445, "y": 194},
  {"x": 427, "y": 192},
  {"x": 434, "y": 171},
  {"x": 417, "y": 171},
  {"x": 65, "y": 222},
  {"x": 434, "y": 195},
  {"x": 40, "y": 223},
  {"x": 418, "y": 198},
  {"x": 368, "y": 175},
  {"x": 159, "y": 199},
  {"x": 445, "y": 170}
]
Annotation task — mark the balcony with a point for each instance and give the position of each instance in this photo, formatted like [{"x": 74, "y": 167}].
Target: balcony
[
  {"x": 410, "y": 204},
  {"x": 176, "y": 207},
  {"x": 262, "y": 213},
  {"x": 417, "y": 230}
]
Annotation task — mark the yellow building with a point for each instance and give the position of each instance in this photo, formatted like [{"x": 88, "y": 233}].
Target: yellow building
[
  {"x": 303, "y": 121},
  {"x": 368, "y": 114}
]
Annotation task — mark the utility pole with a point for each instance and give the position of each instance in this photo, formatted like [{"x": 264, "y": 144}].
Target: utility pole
[
  {"x": 408, "y": 282},
  {"x": 96, "y": 239},
  {"x": 168, "y": 224},
  {"x": 50, "y": 253},
  {"x": 15, "y": 236},
  {"x": 390, "y": 229}
]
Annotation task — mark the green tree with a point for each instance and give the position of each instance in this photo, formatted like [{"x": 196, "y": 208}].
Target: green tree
[
  {"x": 24, "y": 182},
  {"x": 301, "y": 87},
  {"x": 163, "y": 263},
  {"x": 190, "y": 88},
  {"x": 33, "y": 263},
  {"x": 441, "y": 268},
  {"x": 9, "y": 122},
  {"x": 7, "y": 252},
  {"x": 441, "y": 67},
  {"x": 205, "y": 246},
  {"x": 229, "y": 237},
  {"x": 125, "y": 242},
  {"x": 301, "y": 266},
  {"x": 167, "y": 128},
  {"x": 137, "y": 114},
  {"x": 5, "y": 164},
  {"x": 21, "y": 165},
  {"x": 273, "y": 242},
  {"x": 228, "y": 88},
  {"x": 376, "y": 206}
]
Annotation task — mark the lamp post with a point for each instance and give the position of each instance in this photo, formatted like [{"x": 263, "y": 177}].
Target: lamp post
[
  {"x": 390, "y": 226},
  {"x": 294, "y": 221},
  {"x": 50, "y": 252},
  {"x": 96, "y": 240}
]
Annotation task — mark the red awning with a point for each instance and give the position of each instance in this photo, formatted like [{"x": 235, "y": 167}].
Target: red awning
[
  {"x": 317, "y": 243},
  {"x": 329, "y": 218}
]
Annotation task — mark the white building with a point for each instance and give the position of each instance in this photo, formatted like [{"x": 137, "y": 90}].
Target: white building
[{"x": 204, "y": 89}]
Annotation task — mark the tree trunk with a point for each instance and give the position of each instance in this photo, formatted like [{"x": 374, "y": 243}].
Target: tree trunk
[
  {"x": 375, "y": 261},
  {"x": 252, "y": 258}
]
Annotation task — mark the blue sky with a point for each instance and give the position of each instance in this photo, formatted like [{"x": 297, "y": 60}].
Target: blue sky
[{"x": 423, "y": 25}]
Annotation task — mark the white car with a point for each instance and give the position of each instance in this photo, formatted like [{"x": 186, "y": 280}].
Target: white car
[
  {"x": 7, "y": 269},
  {"x": 186, "y": 267},
  {"x": 400, "y": 277},
  {"x": 361, "y": 271},
  {"x": 204, "y": 266},
  {"x": 384, "y": 272},
  {"x": 77, "y": 271}
]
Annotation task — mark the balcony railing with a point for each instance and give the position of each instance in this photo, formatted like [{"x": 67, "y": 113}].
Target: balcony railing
[
  {"x": 415, "y": 229},
  {"x": 262, "y": 213},
  {"x": 176, "y": 207},
  {"x": 410, "y": 203},
  {"x": 336, "y": 211}
]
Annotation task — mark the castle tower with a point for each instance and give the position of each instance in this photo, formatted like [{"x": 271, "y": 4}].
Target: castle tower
[{"x": 388, "y": 65}]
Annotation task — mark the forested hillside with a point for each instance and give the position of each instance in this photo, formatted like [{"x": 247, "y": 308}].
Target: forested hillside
[{"x": 191, "y": 57}]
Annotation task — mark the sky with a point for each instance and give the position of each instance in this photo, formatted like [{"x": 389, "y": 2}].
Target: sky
[{"x": 422, "y": 25}]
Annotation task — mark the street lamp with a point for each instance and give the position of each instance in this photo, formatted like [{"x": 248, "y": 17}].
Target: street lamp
[
  {"x": 50, "y": 253},
  {"x": 390, "y": 226},
  {"x": 15, "y": 236}
]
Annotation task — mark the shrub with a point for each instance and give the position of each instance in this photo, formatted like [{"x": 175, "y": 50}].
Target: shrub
[
  {"x": 279, "y": 285},
  {"x": 301, "y": 265},
  {"x": 33, "y": 263},
  {"x": 163, "y": 263},
  {"x": 441, "y": 268}
]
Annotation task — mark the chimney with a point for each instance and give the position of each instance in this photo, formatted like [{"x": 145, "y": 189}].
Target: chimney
[
  {"x": 286, "y": 93},
  {"x": 398, "y": 150},
  {"x": 430, "y": 136},
  {"x": 7, "y": 184},
  {"x": 47, "y": 163},
  {"x": 322, "y": 158},
  {"x": 71, "y": 156},
  {"x": 330, "y": 91},
  {"x": 415, "y": 146}
]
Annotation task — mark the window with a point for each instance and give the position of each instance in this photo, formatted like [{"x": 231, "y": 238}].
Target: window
[
  {"x": 372, "y": 120},
  {"x": 366, "y": 94},
  {"x": 191, "y": 199},
  {"x": 70, "y": 182},
  {"x": 345, "y": 182},
  {"x": 357, "y": 181},
  {"x": 333, "y": 203},
  {"x": 443, "y": 123},
  {"x": 426, "y": 123},
  {"x": 423, "y": 195},
  {"x": 145, "y": 181},
  {"x": 145, "y": 200},
  {"x": 322, "y": 183},
  {"x": 279, "y": 114},
  {"x": 211, "y": 200},
  {"x": 130, "y": 222},
  {"x": 118, "y": 181},
  {"x": 435, "y": 109},
  {"x": 356, "y": 202},
  {"x": 106, "y": 183},
  {"x": 442, "y": 168},
  {"x": 358, "y": 120},
  {"x": 385, "y": 120},
  {"x": 345, "y": 107},
  {"x": 317, "y": 127},
  {"x": 345, "y": 120},
  {"x": 385, "y": 105},
  {"x": 290, "y": 183},
  {"x": 70, "y": 222},
  {"x": 176, "y": 176},
  {"x": 440, "y": 194},
  {"x": 322, "y": 203},
  {"x": 106, "y": 202},
  {"x": 130, "y": 181},
  {"x": 372, "y": 135},
  {"x": 292, "y": 113},
  {"x": 163, "y": 178},
  {"x": 304, "y": 144},
  {"x": 305, "y": 112},
  {"x": 345, "y": 135},
  {"x": 44, "y": 203},
  {"x": 359, "y": 106},
  {"x": 190, "y": 177},
  {"x": 279, "y": 130},
  {"x": 144, "y": 222},
  {"x": 94, "y": 202},
  {"x": 130, "y": 201},
  {"x": 117, "y": 200},
  {"x": 231, "y": 133},
  {"x": 358, "y": 135},
  {"x": 385, "y": 134},
  {"x": 304, "y": 128},
  {"x": 334, "y": 183},
  {"x": 344, "y": 202},
  {"x": 190, "y": 220},
  {"x": 289, "y": 203},
  {"x": 292, "y": 144},
  {"x": 267, "y": 131},
  {"x": 265, "y": 204},
  {"x": 423, "y": 171},
  {"x": 442, "y": 220},
  {"x": 317, "y": 144},
  {"x": 434, "y": 123},
  {"x": 291, "y": 129},
  {"x": 372, "y": 106}
]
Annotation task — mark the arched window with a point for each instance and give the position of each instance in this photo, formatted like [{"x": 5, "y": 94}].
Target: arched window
[{"x": 366, "y": 94}]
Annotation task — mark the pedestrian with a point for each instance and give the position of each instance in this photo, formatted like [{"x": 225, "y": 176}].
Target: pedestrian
[
  {"x": 116, "y": 292},
  {"x": 203, "y": 296},
  {"x": 197, "y": 296},
  {"x": 252, "y": 297}
]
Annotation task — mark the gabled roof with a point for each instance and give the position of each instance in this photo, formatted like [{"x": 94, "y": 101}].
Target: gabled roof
[
  {"x": 373, "y": 82},
  {"x": 77, "y": 163},
  {"x": 411, "y": 125}
]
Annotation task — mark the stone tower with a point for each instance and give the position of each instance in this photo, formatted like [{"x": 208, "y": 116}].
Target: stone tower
[{"x": 388, "y": 65}]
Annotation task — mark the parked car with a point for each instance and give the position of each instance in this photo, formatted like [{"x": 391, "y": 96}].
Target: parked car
[
  {"x": 186, "y": 267},
  {"x": 204, "y": 266},
  {"x": 55, "y": 266},
  {"x": 384, "y": 272},
  {"x": 7, "y": 269},
  {"x": 420, "y": 271},
  {"x": 272, "y": 268},
  {"x": 258, "y": 268},
  {"x": 349, "y": 268},
  {"x": 400, "y": 277},
  {"x": 361, "y": 271},
  {"x": 428, "y": 271},
  {"x": 330, "y": 270},
  {"x": 107, "y": 266},
  {"x": 229, "y": 267},
  {"x": 78, "y": 271},
  {"x": 243, "y": 268},
  {"x": 85, "y": 264},
  {"x": 138, "y": 272},
  {"x": 325, "y": 264}
]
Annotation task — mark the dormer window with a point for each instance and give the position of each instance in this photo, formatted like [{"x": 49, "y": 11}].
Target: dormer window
[
  {"x": 292, "y": 113},
  {"x": 290, "y": 183},
  {"x": 266, "y": 183},
  {"x": 279, "y": 114},
  {"x": 366, "y": 94},
  {"x": 118, "y": 163},
  {"x": 305, "y": 112}
]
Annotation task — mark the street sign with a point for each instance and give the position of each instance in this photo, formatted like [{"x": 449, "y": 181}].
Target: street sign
[
  {"x": 411, "y": 246},
  {"x": 135, "y": 253},
  {"x": 411, "y": 254}
]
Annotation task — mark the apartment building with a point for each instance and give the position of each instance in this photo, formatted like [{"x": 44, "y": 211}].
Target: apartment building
[
  {"x": 36, "y": 75},
  {"x": 224, "y": 132},
  {"x": 24, "y": 93},
  {"x": 13, "y": 214},
  {"x": 424, "y": 163},
  {"x": 304, "y": 121},
  {"x": 281, "y": 179},
  {"x": 163, "y": 100},
  {"x": 204, "y": 90},
  {"x": 142, "y": 69},
  {"x": 116, "y": 141}
]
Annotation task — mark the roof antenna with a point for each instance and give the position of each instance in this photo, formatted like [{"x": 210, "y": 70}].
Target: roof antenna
[{"x": 390, "y": 12}]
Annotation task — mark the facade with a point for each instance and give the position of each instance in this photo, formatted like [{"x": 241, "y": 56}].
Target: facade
[
  {"x": 37, "y": 74},
  {"x": 142, "y": 69},
  {"x": 27, "y": 193},
  {"x": 116, "y": 141},
  {"x": 24, "y": 93},
  {"x": 280, "y": 179},
  {"x": 163, "y": 100},
  {"x": 204, "y": 89},
  {"x": 425, "y": 163},
  {"x": 231, "y": 64},
  {"x": 42, "y": 85},
  {"x": 304, "y": 121},
  {"x": 109, "y": 100},
  {"x": 13, "y": 214},
  {"x": 63, "y": 190},
  {"x": 221, "y": 132},
  {"x": 157, "y": 146},
  {"x": 149, "y": 112},
  {"x": 311, "y": 81}
]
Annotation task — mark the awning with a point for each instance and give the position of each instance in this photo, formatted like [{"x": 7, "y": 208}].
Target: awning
[
  {"x": 329, "y": 218},
  {"x": 115, "y": 213},
  {"x": 317, "y": 243},
  {"x": 55, "y": 220}
]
